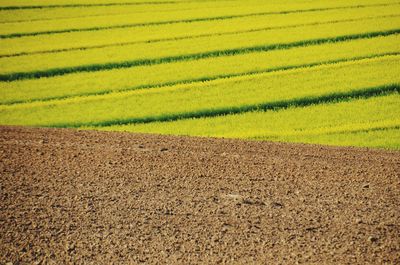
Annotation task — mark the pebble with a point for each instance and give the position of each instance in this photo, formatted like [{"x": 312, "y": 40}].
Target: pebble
[
  {"x": 365, "y": 186},
  {"x": 373, "y": 239}
]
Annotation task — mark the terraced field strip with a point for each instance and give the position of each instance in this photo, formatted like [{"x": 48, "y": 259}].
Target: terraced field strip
[
  {"x": 297, "y": 124},
  {"x": 48, "y": 14},
  {"x": 65, "y": 13},
  {"x": 162, "y": 33},
  {"x": 267, "y": 90},
  {"x": 33, "y": 28},
  {"x": 47, "y": 65},
  {"x": 79, "y": 5},
  {"x": 164, "y": 75},
  {"x": 50, "y": 4},
  {"x": 172, "y": 31}
]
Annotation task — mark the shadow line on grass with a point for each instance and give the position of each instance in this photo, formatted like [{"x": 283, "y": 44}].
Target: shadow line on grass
[
  {"x": 190, "y": 57},
  {"x": 200, "y": 79},
  {"x": 190, "y": 20},
  {"x": 267, "y": 106}
]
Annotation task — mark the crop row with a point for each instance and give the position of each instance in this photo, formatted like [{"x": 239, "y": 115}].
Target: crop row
[
  {"x": 48, "y": 14},
  {"x": 31, "y": 28},
  {"x": 53, "y": 14},
  {"x": 34, "y": 28},
  {"x": 95, "y": 83},
  {"x": 80, "y": 5},
  {"x": 46, "y": 65},
  {"x": 243, "y": 93},
  {"x": 322, "y": 123},
  {"x": 50, "y": 4},
  {"x": 119, "y": 37}
]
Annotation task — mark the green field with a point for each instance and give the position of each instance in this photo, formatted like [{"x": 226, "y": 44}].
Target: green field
[{"x": 323, "y": 72}]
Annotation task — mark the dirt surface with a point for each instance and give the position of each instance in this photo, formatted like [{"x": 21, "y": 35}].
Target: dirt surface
[{"x": 115, "y": 198}]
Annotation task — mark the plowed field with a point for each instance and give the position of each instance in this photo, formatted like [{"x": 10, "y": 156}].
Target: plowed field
[{"x": 92, "y": 197}]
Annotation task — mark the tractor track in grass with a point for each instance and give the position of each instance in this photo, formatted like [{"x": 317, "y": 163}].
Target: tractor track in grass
[{"x": 72, "y": 196}]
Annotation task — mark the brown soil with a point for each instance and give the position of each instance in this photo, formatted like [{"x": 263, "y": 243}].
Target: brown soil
[{"x": 100, "y": 198}]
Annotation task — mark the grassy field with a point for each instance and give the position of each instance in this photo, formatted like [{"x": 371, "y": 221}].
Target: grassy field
[{"x": 325, "y": 72}]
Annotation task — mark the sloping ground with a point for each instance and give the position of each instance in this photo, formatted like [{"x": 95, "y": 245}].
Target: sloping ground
[
  {"x": 196, "y": 68},
  {"x": 98, "y": 198}
]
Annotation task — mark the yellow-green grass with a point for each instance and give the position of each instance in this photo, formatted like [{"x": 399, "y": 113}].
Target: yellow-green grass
[
  {"x": 375, "y": 138},
  {"x": 372, "y": 122},
  {"x": 29, "y": 3},
  {"x": 316, "y": 71},
  {"x": 202, "y": 11},
  {"x": 126, "y": 56},
  {"x": 13, "y": 15},
  {"x": 32, "y": 14},
  {"x": 213, "y": 97},
  {"x": 146, "y": 77},
  {"x": 239, "y": 8},
  {"x": 157, "y": 33}
]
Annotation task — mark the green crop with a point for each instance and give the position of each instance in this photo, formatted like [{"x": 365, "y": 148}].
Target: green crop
[
  {"x": 146, "y": 77},
  {"x": 189, "y": 11},
  {"x": 281, "y": 70},
  {"x": 156, "y": 33},
  {"x": 323, "y": 123},
  {"x": 212, "y": 98},
  {"x": 43, "y": 65}
]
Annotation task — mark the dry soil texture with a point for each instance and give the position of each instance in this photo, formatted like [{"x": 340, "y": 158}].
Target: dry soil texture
[{"x": 101, "y": 198}]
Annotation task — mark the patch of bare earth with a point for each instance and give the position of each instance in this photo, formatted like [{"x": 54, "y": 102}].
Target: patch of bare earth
[{"x": 99, "y": 198}]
